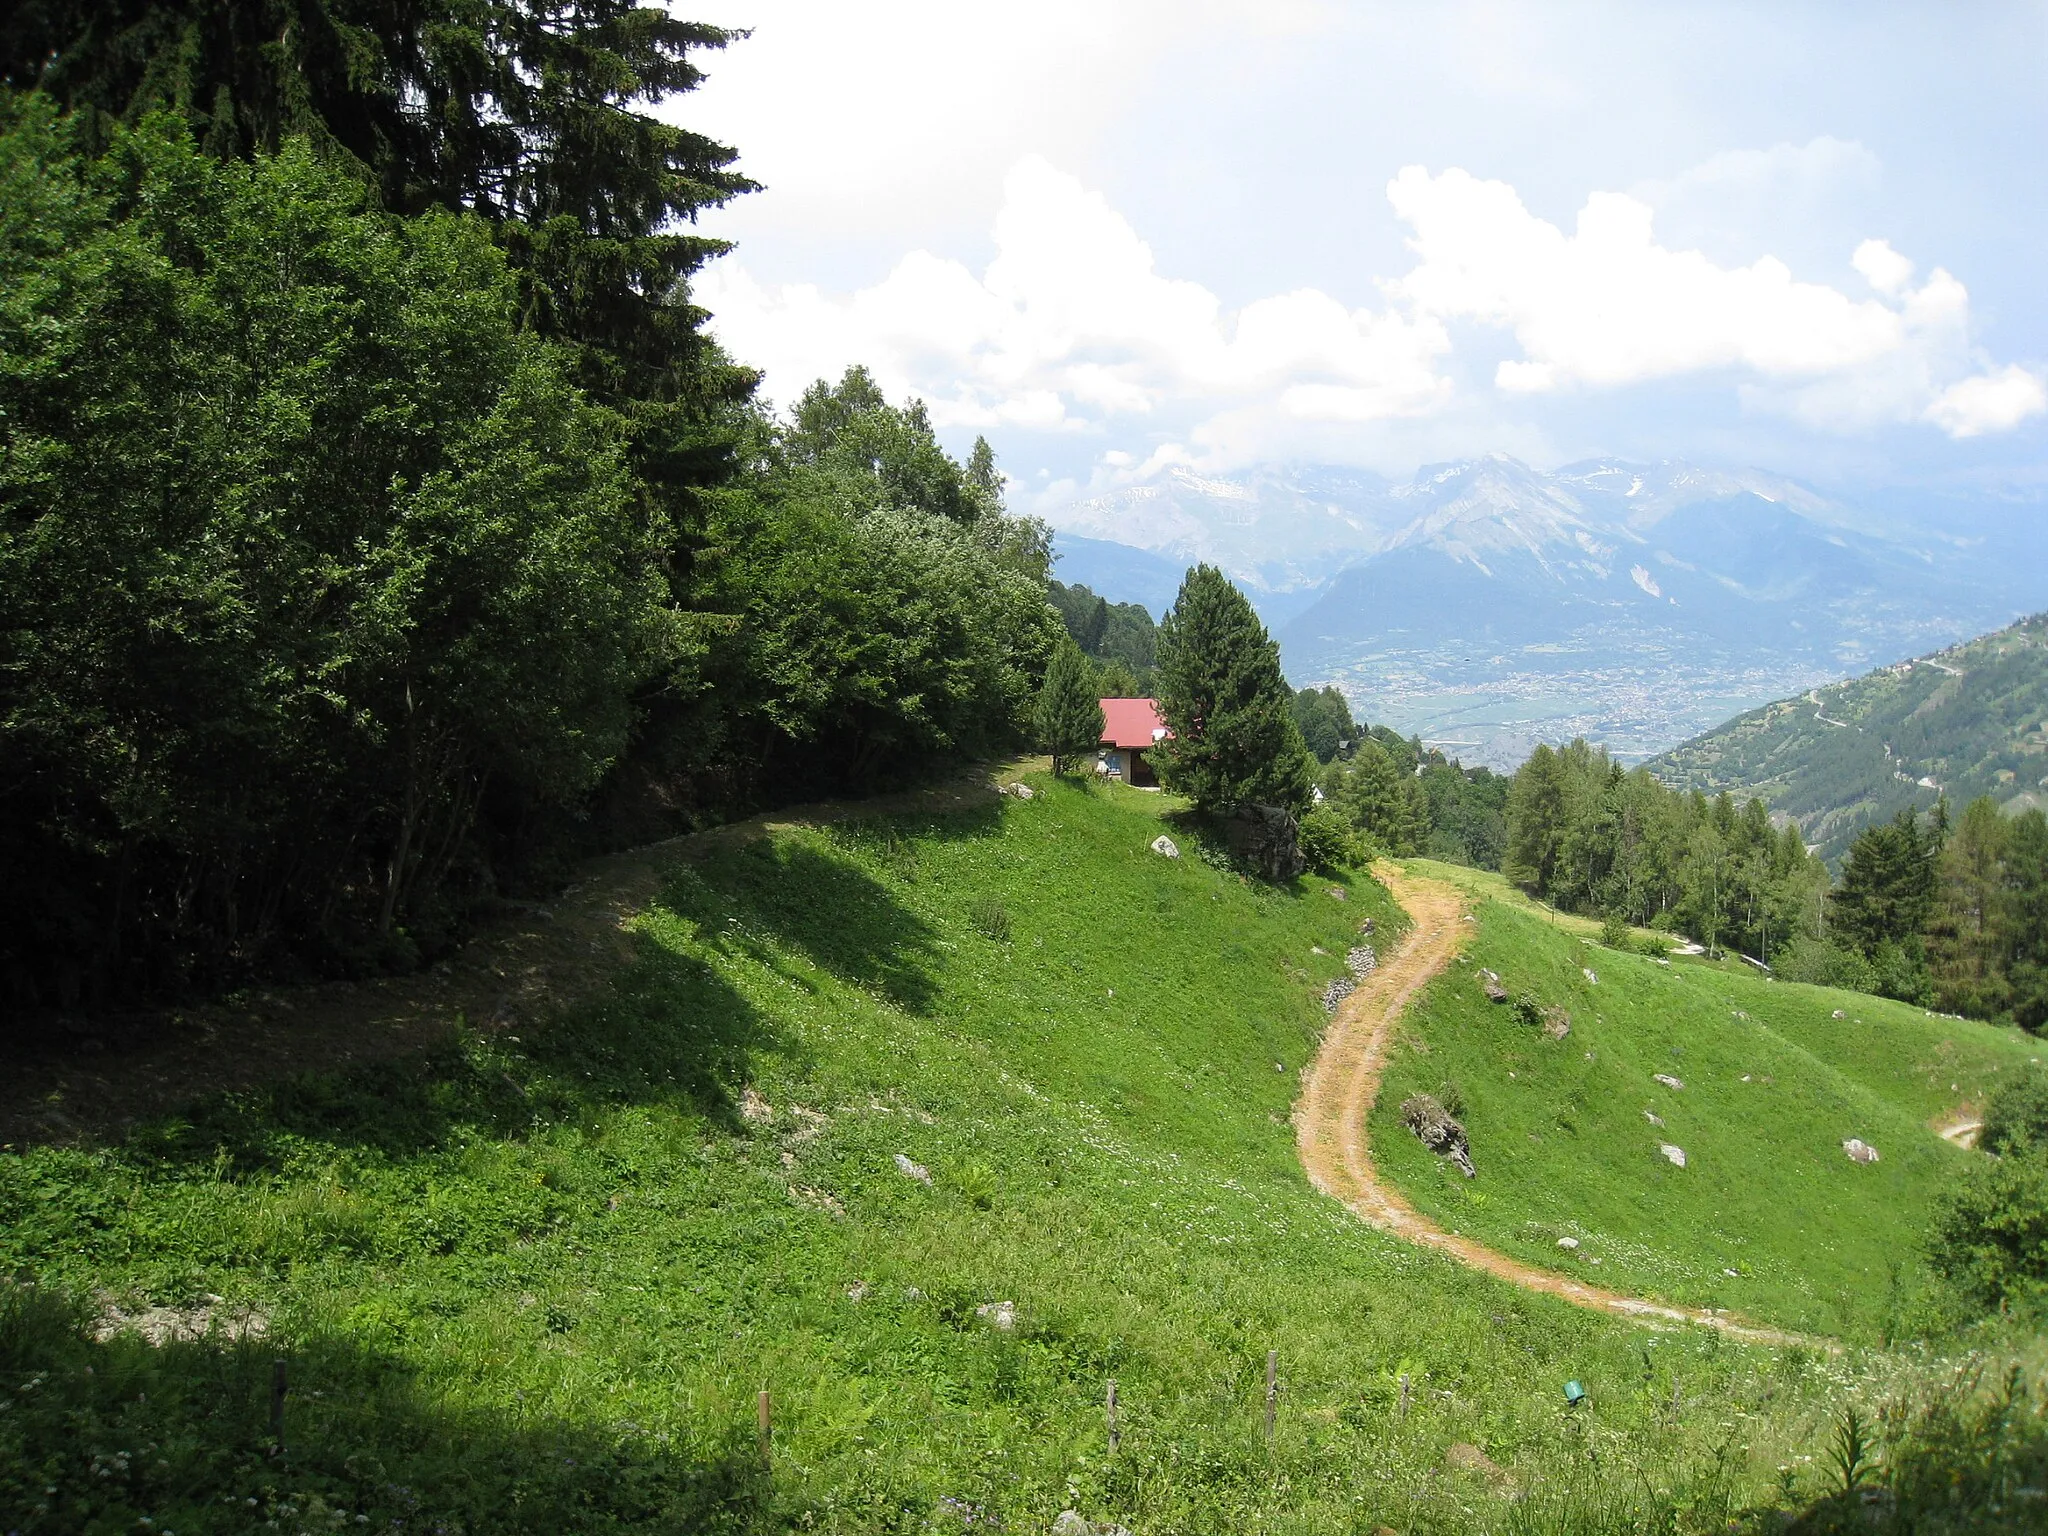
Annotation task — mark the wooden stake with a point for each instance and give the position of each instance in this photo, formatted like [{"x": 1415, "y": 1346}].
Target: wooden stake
[
  {"x": 277, "y": 1391},
  {"x": 1404, "y": 1397},
  {"x": 763, "y": 1426},
  {"x": 1272, "y": 1389},
  {"x": 1109, "y": 1408}
]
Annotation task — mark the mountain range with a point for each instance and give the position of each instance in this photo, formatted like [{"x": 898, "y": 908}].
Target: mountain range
[
  {"x": 1486, "y": 605},
  {"x": 1965, "y": 721}
]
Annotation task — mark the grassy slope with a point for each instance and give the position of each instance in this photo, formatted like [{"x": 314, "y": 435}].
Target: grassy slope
[
  {"x": 1973, "y": 722},
  {"x": 1559, "y": 1135},
  {"x": 535, "y": 1283}
]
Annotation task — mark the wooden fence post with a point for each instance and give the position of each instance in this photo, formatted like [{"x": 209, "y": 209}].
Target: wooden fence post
[
  {"x": 1272, "y": 1390},
  {"x": 763, "y": 1427},
  {"x": 1404, "y": 1396},
  {"x": 1109, "y": 1408}
]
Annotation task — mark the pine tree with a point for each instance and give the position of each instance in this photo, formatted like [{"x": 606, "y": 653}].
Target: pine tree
[
  {"x": 1537, "y": 818},
  {"x": 1231, "y": 712},
  {"x": 1070, "y": 722}
]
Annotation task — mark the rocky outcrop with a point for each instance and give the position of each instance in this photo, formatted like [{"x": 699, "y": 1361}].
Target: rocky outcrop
[
  {"x": 1268, "y": 839},
  {"x": 1436, "y": 1130}
]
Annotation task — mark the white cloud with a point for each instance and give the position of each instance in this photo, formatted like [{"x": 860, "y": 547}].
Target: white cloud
[
  {"x": 1072, "y": 325},
  {"x": 1991, "y": 402},
  {"x": 1072, "y": 328}
]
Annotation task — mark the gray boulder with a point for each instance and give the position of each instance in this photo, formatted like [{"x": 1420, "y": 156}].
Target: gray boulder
[
  {"x": 1436, "y": 1130},
  {"x": 1267, "y": 838}
]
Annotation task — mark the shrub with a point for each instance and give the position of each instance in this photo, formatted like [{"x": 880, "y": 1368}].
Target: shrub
[
  {"x": 1328, "y": 839},
  {"x": 2016, "y": 1118},
  {"x": 1826, "y": 965},
  {"x": 1989, "y": 1234},
  {"x": 1614, "y": 931}
]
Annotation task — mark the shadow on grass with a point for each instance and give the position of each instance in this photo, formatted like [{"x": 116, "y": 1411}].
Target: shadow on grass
[
  {"x": 100, "y": 1435},
  {"x": 672, "y": 1032},
  {"x": 821, "y": 902}
]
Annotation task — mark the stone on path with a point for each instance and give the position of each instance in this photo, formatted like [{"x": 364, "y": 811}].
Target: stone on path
[{"x": 1021, "y": 791}]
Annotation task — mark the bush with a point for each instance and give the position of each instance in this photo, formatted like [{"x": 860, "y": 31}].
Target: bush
[
  {"x": 2016, "y": 1118},
  {"x": 1989, "y": 1235},
  {"x": 1614, "y": 931},
  {"x": 1826, "y": 965},
  {"x": 1328, "y": 839}
]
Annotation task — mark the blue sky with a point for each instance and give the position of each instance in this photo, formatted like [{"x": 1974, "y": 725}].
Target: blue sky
[{"x": 1124, "y": 234}]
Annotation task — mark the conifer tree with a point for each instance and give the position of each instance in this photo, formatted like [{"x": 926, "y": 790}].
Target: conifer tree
[
  {"x": 1231, "y": 712},
  {"x": 1070, "y": 722}
]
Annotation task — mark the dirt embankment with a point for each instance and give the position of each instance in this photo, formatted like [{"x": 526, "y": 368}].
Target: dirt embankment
[{"x": 1344, "y": 1080}]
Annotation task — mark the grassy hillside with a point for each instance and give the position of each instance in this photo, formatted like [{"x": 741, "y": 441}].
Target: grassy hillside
[
  {"x": 1972, "y": 719},
  {"x": 866, "y": 1095},
  {"x": 1774, "y": 1083}
]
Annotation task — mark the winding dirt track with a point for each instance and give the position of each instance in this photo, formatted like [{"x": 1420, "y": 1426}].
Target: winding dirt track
[{"x": 1330, "y": 1119}]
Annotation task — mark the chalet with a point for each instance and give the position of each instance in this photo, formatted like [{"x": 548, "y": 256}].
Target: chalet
[{"x": 1130, "y": 729}]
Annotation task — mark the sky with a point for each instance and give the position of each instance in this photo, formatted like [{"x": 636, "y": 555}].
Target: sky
[{"x": 1119, "y": 235}]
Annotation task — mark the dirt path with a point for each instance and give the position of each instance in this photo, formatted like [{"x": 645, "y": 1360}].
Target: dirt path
[
  {"x": 1330, "y": 1119},
  {"x": 524, "y": 963}
]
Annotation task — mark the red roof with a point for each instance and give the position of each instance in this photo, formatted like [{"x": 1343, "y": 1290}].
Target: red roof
[{"x": 1131, "y": 723}]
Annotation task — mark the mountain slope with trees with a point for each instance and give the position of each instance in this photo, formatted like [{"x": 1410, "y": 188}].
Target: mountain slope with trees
[{"x": 1966, "y": 721}]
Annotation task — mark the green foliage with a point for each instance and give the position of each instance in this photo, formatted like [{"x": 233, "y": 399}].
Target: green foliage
[
  {"x": 1822, "y": 964},
  {"x": 271, "y": 698},
  {"x": 1614, "y": 931},
  {"x": 1889, "y": 884},
  {"x": 1323, "y": 716},
  {"x": 1117, "y": 634},
  {"x": 1070, "y": 721},
  {"x": 2016, "y": 1116},
  {"x": 1390, "y": 808},
  {"x": 1587, "y": 836},
  {"x": 1989, "y": 1232},
  {"x": 1328, "y": 840},
  {"x": 1234, "y": 739}
]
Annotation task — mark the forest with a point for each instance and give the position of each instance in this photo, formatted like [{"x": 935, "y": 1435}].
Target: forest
[{"x": 380, "y": 528}]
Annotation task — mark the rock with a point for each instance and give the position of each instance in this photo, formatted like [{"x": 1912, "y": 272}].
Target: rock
[
  {"x": 1839, "y": 1013},
  {"x": 1668, "y": 1081},
  {"x": 1490, "y": 980},
  {"x": 1317, "y": 949},
  {"x": 1731, "y": 1274},
  {"x": 1556, "y": 1022},
  {"x": 1335, "y": 993},
  {"x": 1366, "y": 927},
  {"x": 1654, "y": 1118},
  {"x": 1021, "y": 791},
  {"x": 1267, "y": 838},
  {"x": 1165, "y": 847},
  {"x": 913, "y": 1170},
  {"x": 1587, "y": 972},
  {"x": 1361, "y": 961},
  {"x": 1567, "y": 1243},
  {"x": 1436, "y": 1130},
  {"x": 1673, "y": 1155},
  {"x": 1338, "y": 893},
  {"x": 1859, "y": 1150},
  {"x": 754, "y": 1109},
  {"x": 1000, "y": 1315}
]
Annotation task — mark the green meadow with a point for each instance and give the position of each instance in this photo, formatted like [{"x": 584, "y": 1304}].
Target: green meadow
[
  {"x": 1769, "y": 1217},
  {"x": 930, "y": 1127}
]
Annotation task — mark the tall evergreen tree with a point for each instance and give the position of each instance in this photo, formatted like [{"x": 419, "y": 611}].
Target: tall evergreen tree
[
  {"x": 1070, "y": 722},
  {"x": 1889, "y": 885},
  {"x": 1234, "y": 739},
  {"x": 2023, "y": 919},
  {"x": 1537, "y": 813}
]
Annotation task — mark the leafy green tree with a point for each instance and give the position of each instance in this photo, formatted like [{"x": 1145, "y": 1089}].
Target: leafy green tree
[
  {"x": 308, "y": 554},
  {"x": 1386, "y": 805},
  {"x": 1537, "y": 814},
  {"x": 1989, "y": 1233},
  {"x": 1889, "y": 884},
  {"x": 1324, "y": 718},
  {"x": 1964, "y": 929},
  {"x": 1070, "y": 722},
  {"x": 2023, "y": 919},
  {"x": 1234, "y": 740}
]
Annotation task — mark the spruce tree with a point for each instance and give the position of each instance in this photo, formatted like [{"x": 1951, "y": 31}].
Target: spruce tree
[
  {"x": 1231, "y": 712},
  {"x": 1070, "y": 722}
]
